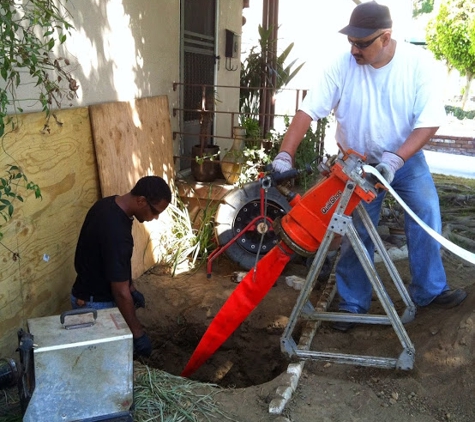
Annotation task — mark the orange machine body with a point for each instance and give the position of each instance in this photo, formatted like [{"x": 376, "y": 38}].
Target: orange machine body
[{"x": 307, "y": 222}]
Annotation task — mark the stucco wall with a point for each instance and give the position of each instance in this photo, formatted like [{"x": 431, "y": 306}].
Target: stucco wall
[
  {"x": 121, "y": 51},
  {"x": 131, "y": 49}
]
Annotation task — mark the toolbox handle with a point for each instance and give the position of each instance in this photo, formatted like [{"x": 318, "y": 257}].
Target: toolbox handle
[{"x": 79, "y": 311}]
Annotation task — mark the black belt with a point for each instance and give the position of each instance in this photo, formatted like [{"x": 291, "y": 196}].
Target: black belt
[{"x": 94, "y": 298}]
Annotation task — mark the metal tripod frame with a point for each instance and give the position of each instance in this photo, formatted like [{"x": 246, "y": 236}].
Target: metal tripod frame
[{"x": 342, "y": 224}]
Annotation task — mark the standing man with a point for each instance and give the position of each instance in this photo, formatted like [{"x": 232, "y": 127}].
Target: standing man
[
  {"x": 387, "y": 107},
  {"x": 104, "y": 252}
]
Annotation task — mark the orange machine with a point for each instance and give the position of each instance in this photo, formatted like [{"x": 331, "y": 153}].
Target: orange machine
[
  {"x": 301, "y": 231},
  {"x": 304, "y": 227}
]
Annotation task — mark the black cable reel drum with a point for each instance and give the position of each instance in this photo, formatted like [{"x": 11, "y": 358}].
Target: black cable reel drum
[{"x": 238, "y": 208}]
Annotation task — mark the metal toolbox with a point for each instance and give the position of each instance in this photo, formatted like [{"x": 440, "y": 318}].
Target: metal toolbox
[{"x": 83, "y": 367}]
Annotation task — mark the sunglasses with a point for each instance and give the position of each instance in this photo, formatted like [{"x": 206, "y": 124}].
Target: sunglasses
[
  {"x": 152, "y": 208},
  {"x": 366, "y": 44}
]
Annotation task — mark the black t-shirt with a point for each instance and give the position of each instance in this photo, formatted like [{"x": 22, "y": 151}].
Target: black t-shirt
[{"x": 103, "y": 251}]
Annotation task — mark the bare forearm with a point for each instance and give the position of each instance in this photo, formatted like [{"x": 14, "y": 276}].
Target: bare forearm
[
  {"x": 297, "y": 130},
  {"x": 415, "y": 142},
  {"x": 126, "y": 307}
]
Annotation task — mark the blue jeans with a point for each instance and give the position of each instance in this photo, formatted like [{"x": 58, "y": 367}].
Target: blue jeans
[
  {"x": 413, "y": 182},
  {"x": 93, "y": 305}
]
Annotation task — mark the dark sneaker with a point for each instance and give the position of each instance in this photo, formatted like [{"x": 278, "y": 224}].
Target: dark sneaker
[
  {"x": 343, "y": 325},
  {"x": 450, "y": 298}
]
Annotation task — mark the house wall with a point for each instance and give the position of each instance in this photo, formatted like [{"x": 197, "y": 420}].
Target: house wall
[
  {"x": 122, "y": 50},
  {"x": 228, "y": 74},
  {"x": 119, "y": 51}
]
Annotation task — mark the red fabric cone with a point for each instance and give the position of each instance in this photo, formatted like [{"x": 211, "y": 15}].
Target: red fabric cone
[{"x": 247, "y": 295}]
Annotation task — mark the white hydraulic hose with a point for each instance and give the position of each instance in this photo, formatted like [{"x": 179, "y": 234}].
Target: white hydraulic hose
[{"x": 452, "y": 247}]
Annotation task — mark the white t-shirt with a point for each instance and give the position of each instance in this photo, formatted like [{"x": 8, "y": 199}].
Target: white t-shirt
[{"x": 377, "y": 109}]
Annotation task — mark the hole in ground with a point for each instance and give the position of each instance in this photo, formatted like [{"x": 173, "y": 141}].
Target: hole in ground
[
  {"x": 249, "y": 357},
  {"x": 180, "y": 309}
]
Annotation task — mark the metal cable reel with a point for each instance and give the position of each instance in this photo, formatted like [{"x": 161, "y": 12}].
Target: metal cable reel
[{"x": 238, "y": 209}]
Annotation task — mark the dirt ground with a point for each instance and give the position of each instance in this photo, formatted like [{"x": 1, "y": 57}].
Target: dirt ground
[
  {"x": 250, "y": 364},
  {"x": 248, "y": 368}
]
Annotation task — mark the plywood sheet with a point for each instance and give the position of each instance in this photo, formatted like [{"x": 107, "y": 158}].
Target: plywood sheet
[
  {"x": 43, "y": 233},
  {"x": 132, "y": 140}
]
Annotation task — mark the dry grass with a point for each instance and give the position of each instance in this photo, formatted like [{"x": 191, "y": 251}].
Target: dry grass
[{"x": 159, "y": 396}]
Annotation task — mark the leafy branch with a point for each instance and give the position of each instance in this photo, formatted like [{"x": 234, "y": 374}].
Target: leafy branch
[{"x": 9, "y": 191}]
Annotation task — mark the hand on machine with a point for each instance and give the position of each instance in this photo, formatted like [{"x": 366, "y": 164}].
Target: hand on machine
[{"x": 282, "y": 162}]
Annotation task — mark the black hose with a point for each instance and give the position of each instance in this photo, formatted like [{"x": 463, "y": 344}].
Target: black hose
[{"x": 277, "y": 178}]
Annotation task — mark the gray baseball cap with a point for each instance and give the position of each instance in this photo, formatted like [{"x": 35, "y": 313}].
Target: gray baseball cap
[{"x": 366, "y": 19}]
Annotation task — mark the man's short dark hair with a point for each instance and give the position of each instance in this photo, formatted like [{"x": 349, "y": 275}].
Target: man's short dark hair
[{"x": 154, "y": 188}]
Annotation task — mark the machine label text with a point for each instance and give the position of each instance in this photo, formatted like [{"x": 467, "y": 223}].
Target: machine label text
[{"x": 333, "y": 199}]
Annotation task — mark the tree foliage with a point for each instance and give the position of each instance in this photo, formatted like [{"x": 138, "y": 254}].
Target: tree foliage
[
  {"x": 420, "y": 7},
  {"x": 450, "y": 36},
  {"x": 30, "y": 30}
]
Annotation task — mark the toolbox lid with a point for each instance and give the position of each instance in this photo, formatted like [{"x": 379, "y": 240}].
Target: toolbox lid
[{"x": 78, "y": 328}]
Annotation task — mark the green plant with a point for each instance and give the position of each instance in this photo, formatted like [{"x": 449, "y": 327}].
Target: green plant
[
  {"x": 459, "y": 113},
  {"x": 419, "y": 7},
  {"x": 30, "y": 30},
  {"x": 188, "y": 241},
  {"x": 254, "y": 160},
  {"x": 178, "y": 243},
  {"x": 205, "y": 241},
  {"x": 254, "y": 156},
  {"x": 263, "y": 69},
  {"x": 9, "y": 187},
  {"x": 210, "y": 157},
  {"x": 253, "y": 131}
]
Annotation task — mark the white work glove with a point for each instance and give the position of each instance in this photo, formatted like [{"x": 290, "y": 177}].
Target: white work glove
[
  {"x": 282, "y": 162},
  {"x": 389, "y": 165}
]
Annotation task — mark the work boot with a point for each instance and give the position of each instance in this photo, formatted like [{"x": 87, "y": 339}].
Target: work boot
[
  {"x": 343, "y": 326},
  {"x": 450, "y": 298}
]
